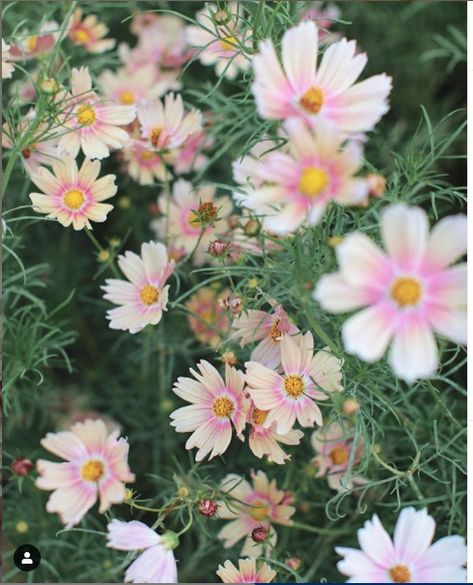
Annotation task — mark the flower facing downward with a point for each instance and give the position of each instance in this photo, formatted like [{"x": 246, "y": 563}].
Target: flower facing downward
[
  {"x": 409, "y": 557},
  {"x": 216, "y": 406},
  {"x": 95, "y": 468},
  {"x": 88, "y": 33},
  {"x": 7, "y": 66},
  {"x": 247, "y": 572},
  {"x": 73, "y": 196},
  {"x": 326, "y": 92},
  {"x": 406, "y": 293},
  {"x": 207, "y": 319},
  {"x": 144, "y": 296},
  {"x": 291, "y": 395},
  {"x": 156, "y": 562}
]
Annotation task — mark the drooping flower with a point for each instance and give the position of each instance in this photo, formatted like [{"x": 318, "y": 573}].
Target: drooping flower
[
  {"x": 167, "y": 126},
  {"x": 247, "y": 572},
  {"x": 35, "y": 45},
  {"x": 268, "y": 329},
  {"x": 306, "y": 378},
  {"x": 145, "y": 166},
  {"x": 334, "y": 445},
  {"x": 207, "y": 319},
  {"x": 156, "y": 562},
  {"x": 409, "y": 557},
  {"x": 144, "y": 296},
  {"x": 131, "y": 87},
  {"x": 220, "y": 43},
  {"x": 296, "y": 186},
  {"x": 91, "y": 123},
  {"x": 72, "y": 196},
  {"x": 326, "y": 92},
  {"x": 249, "y": 506},
  {"x": 192, "y": 218},
  {"x": 216, "y": 405},
  {"x": 88, "y": 32},
  {"x": 7, "y": 66},
  {"x": 406, "y": 293},
  {"x": 95, "y": 468}
]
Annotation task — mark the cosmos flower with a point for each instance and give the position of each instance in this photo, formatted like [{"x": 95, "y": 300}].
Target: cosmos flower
[
  {"x": 95, "y": 468},
  {"x": 36, "y": 45},
  {"x": 326, "y": 92},
  {"x": 144, "y": 296},
  {"x": 88, "y": 32},
  {"x": 73, "y": 196},
  {"x": 325, "y": 17},
  {"x": 156, "y": 562},
  {"x": 90, "y": 122},
  {"x": 247, "y": 572},
  {"x": 407, "y": 558},
  {"x": 216, "y": 406},
  {"x": 295, "y": 187},
  {"x": 245, "y": 169},
  {"x": 144, "y": 166},
  {"x": 220, "y": 44},
  {"x": 249, "y": 507},
  {"x": 7, "y": 66},
  {"x": 131, "y": 87},
  {"x": 406, "y": 293},
  {"x": 190, "y": 157},
  {"x": 306, "y": 378},
  {"x": 207, "y": 318}
]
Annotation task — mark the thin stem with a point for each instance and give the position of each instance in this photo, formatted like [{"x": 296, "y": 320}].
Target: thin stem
[{"x": 316, "y": 530}]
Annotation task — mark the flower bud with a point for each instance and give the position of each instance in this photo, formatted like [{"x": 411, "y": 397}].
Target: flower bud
[
  {"x": 49, "y": 86},
  {"x": 229, "y": 357},
  {"x": 153, "y": 209},
  {"x": 334, "y": 241},
  {"x": 350, "y": 406},
  {"x": 207, "y": 507},
  {"x": 376, "y": 184},
  {"x": 21, "y": 466},
  {"x": 293, "y": 563},
  {"x": 21, "y": 527},
  {"x": 252, "y": 227},
  {"x": 260, "y": 534},
  {"x": 170, "y": 540},
  {"x": 183, "y": 491},
  {"x": 221, "y": 17},
  {"x": 218, "y": 248}
]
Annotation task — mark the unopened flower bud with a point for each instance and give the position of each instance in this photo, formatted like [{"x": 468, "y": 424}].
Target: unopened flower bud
[
  {"x": 221, "y": 17},
  {"x": 218, "y": 248},
  {"x": 252, "y": 227},
  {"x": 169, "y": 540},
  {"x": 103, "y": 256},
  {"x": 351, "y": 406},
  {"x": 334, "y": 241},
  {"x": 21, "y": 466},
  {"x": 21, "y": 527},
  {"x": 229, "y": 357},
  {"x": 293, "y": 563},
  {"x": 49, "y": 86},
  {"x": 208, "y": 507},
  {"x": 260, "y": 534},
  {"x": 252, "y": 282},
  {"x": 183, "y": 491},
  {"x": 236, "y": 305},
  {"x": 376, "y": 184},
  {"x": 153, "y": 209}
]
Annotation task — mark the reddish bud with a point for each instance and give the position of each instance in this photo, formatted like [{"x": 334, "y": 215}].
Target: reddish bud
[
  {"x": 293, "y": 563},
  {"x": 260, "y": 534},
  {"x": 21, "y": 466},
  {"x": 26, "y": 153},
  {"x": 153, "y": 209},
  {"x": 208, "y": 507},
  {"x": 218, "y": 248}
]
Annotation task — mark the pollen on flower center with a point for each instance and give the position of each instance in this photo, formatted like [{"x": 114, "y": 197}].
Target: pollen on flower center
[
  {"x": 80, "y": 36},
  {"x": 313, "y": 181},
  {"x": 228, "y": 43},
  {"x": 259, "y": 416},
  {"x": 74, "y": 199},
  {"x": 31, "y": 43},
  {"x": 275, "y": 332},
  {"x": 339, "y": 456},
  {"x": 147, "y": 154},
  {"x": 155, "y": 134},
  {"x": 92, "y": 470},
  {"x": 294, "y": 385},
  {"x": 406, "y": 291},
  {"x": 312, "y": 100},
  {"x": 149, "y": 294},
  {"x": 223, "y": 407},
  {"x": 127, "y": 97},
  {"x": 86, "y": 115},
  {"x": 260, "y": 510},
  {"x": 400, "y": 574}
]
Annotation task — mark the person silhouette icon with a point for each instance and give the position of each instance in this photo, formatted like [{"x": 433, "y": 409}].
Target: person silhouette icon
[
  {"x": 27, "y": 557},
  {"x": 27, "y": 560}
]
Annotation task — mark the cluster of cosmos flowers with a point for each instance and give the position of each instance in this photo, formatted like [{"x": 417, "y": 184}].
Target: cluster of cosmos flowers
[{"x": 399, "y": 295}]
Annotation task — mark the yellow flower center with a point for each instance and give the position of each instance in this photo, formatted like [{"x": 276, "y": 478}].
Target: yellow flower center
[
  {"x": 127, "y": 97},
  {"x": 259, "y": 416},
  {"x": 339, "y": 456},
  {"x": 149, "y": 294},
  {"x": 31, "y": 43},
  {"x": 74, "y": 198},
  {"x": 275, "y": 332},
  {"x": 229, "y": 43},
  {"x": 294, "y": 385},
  {"x": 92, "y": 470},
  {"x": 147, "y": 154},
  {"x": 80, "y": 36},
  {"x": 312, "y": 100},
  {"x": 155, "y": 134},
  {"x": 223, "y": 407},
  {"x": 260, "y": 510},
  {"x": 86, "y": 115},
  {"x": 192, "y": 219},
  {"x": 400, "y": 574},
  {"x": 313, "y": 181},
  {"x": 406, "y": 291}
]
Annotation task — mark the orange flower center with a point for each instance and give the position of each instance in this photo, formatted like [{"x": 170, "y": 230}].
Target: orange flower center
[
  {"x": 406, "y": 291},
  {"x": 259, "y": 416},
  {"x": 155, "y": 134},
  {"x": 312, "y": 100},
  {"x": 80, "y": 36},
  {"x": 73, "y": 199},
  {"x": 223, "y": 407},
  {"x": 127, "y": 97},
  {"x": 92, "y": 470},
  {"x": 86, "y": 115},
  {"x": 294, "y": 385},
  {"x": 31, "y": 43},
  {"x": 339, "y": 456},
  {"x": 313, "y": 181},
  {"x": 207, "y": 212},
  {"x": 400, "y": 574},
  {"x": 275, "y": 332},
  {"x": 149, "y": 294},
  {"x": 229, "y": 43},
  {"x": 259, "y": 510},
  {"x": 147, "y": 154}
]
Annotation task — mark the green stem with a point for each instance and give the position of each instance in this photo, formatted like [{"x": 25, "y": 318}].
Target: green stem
[{"x": 315, "y": 530}]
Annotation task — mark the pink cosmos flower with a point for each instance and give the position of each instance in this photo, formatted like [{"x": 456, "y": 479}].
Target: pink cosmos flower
[
  {"x": 249, "y": 507},
  {"x": 92, "y": 123},
  {"x": 247, "y": 572},
  {"x": 95, "y": 468},
  {"x": 207, "y": 319},
  {"x": 328, "y": 92},
  {"x": 268, "y": 329},
  {"x": 409, "y": 557},
  {"x": 144, "y": 296},
  {"x": 131, "y": 87},
  {"x": 264, "y": 442},
  {"x": 167, "y": 126},
  {"x": 36, "y": 45},
  {"x": 88, "y": 33},
  {"x": 192, "y": 218},
  {"x": 144, "y": 166},
  {"x": 291, "y": 395},
  {"x": 324, "y": 17},
  {"x": 216, "y": 405},
  {"x": 245, "y": 169},
  {"x": 72, "y": 196},
  {"x": 334, "y": 445},
  {"x": 296, "y": 187},
  {"x": 189, "y": 157},
  {"x": 220, "y": 44},
  {"x": 7, "y": 66},
  {"x": 408, "y": 292},
  {"x": 156, "y": 562}
]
